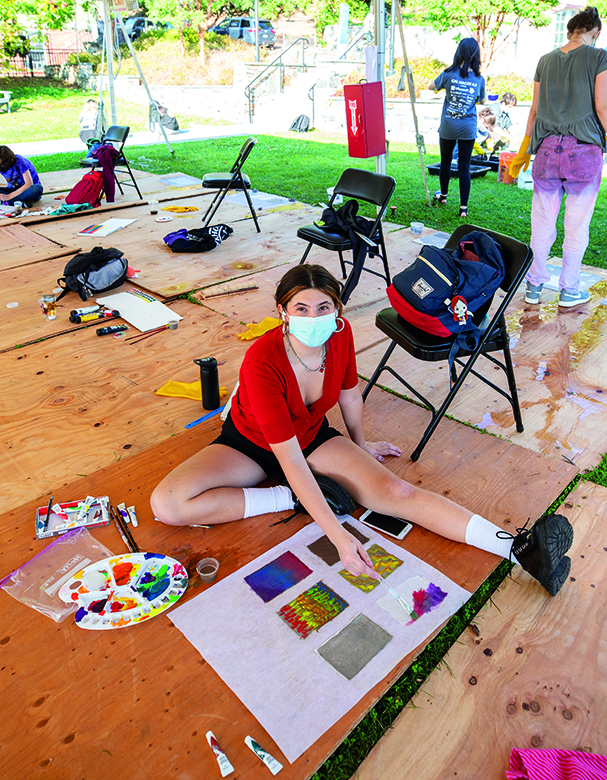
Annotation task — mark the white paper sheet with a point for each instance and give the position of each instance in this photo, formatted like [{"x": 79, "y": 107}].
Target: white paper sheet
[
  {"x": 106, "y": 228},
  {"x": 138, "y": 312},
  {"x": 291, "y": 690}
]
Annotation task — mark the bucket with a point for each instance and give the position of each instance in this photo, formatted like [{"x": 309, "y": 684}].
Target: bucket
[{"x": 503, "y": 174}]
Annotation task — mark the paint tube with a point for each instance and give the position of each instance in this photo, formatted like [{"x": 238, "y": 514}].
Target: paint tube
[
  {"x": 132, "y": 515},
  {"x": 96, "y": 315},
  {"x": 85, "y": 310},
  {"x": 273, "y": 765},
  {"x": 123, "y": 513},
  {"x": 224, "y": 765},
  {"x": 103, "y": 502},
  {"x": 58, "y": 510},
  {"x": 85, "y": 506}
]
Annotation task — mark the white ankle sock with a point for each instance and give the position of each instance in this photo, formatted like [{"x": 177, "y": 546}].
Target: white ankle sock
[
  {"x": 261, "y": 501},
  {"x": 483, "y": 534}
]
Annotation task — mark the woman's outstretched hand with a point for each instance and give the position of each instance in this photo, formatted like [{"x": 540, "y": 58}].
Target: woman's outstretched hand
[
  {"x": 355, "y": 558},
  {"x": 380, "y": 449}
]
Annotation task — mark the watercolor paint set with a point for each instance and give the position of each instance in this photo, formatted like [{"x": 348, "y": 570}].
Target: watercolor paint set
[
  {"x": 124, "y": 590},
  {"x": 57, "y": 519}
]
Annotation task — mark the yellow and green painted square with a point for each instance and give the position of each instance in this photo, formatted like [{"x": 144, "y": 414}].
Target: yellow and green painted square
[{"x": 383, "y": 563}]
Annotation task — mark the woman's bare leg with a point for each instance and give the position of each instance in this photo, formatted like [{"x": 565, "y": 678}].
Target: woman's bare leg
[
  {"x": 206, "y": 488},
  {"x": 376, "y": 487}
]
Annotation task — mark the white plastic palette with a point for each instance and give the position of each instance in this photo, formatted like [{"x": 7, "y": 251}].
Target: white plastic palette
[{"x": 124, "y": 590}]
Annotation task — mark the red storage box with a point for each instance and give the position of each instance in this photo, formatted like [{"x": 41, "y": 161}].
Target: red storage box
[{"x": 365, "y": 119}]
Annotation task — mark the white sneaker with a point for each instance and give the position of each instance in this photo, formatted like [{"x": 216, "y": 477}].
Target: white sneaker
[{"x": 567, "y": 299}]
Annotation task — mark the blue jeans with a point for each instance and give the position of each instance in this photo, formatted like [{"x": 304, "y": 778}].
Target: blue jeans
[
  {"x": 562, "y": 166},
  {"x": 28, "y": 197}
]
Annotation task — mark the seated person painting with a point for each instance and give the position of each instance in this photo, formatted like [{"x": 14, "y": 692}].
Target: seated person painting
[
  {"x": 22, "y": 179},
  {"x": 289, "y": 379}
]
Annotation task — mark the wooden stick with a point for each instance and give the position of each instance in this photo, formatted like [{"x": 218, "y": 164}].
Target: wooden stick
[
  {"x": 50, "y": 336},
  {"x": 229, "y": 289}
]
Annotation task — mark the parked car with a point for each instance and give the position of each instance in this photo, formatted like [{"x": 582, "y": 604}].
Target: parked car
[
  {"x": 243, "y": 27},
  {"x": 136, "y": 25}
]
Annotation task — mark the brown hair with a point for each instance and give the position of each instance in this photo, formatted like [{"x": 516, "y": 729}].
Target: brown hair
[
  {"x": 586, "y": 20},
  {"x": 485, "y": 111},
  {"x": 7, "y": 158},
  {"x": 308, "y": 277}
]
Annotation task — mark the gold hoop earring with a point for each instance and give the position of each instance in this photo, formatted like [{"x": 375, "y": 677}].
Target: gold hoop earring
[{"x": 343, "y": 324}]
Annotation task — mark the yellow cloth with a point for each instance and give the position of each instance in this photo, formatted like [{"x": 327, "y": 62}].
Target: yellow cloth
[
  {"x": 478, "y": 149},
  {"x": 179, "y": 209},
  {"x": 255, "y": 330},
  {"x": 522, "y": 159},
  {"x": 186, "y": 390}
]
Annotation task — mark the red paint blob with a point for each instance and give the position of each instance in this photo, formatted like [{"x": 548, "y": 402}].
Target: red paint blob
[{"x": 122, "y": 572}]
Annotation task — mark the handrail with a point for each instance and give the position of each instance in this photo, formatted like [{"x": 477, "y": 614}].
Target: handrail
[
  {"x": 250, "y": 88},
  {"x": 352, "y": 45}
]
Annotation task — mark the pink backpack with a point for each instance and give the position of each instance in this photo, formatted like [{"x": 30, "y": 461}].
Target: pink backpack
[{"x": 87, "y": 190}]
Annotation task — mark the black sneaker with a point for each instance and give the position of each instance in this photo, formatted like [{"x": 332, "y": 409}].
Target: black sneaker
[
  {"x": 338, "y": 499},
  {"x": 541, "y": 551}
]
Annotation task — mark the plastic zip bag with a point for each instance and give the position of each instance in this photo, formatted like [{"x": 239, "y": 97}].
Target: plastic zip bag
[{"x": 37, "y": 582}]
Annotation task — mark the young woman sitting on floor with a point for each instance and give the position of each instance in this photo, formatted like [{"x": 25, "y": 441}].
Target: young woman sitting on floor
[
  {"x": 23, "y": 181},
  {"x": 290, "y": 378}
]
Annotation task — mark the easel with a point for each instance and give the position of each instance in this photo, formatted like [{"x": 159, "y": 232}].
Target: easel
[
  {"x": 419, "y": 139},
  {"x": 108, "y": 51}
]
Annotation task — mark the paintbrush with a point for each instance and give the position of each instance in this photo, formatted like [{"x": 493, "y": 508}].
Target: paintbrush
[
  {"x": 124, "y": 538},
  {"x": 413, "y": 614},
  {"x": 124, "y": 530}
]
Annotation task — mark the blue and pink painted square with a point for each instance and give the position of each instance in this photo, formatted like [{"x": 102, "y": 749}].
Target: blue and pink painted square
[{"x": 277, "y": 576}]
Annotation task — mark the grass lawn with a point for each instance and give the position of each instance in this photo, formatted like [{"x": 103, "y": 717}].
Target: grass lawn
[
  {"x": 41, "y": 100},
  {"x": 302, "y": 166}
]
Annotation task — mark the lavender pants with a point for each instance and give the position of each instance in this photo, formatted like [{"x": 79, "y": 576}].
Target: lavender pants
[{"x": 563, "y": 166}]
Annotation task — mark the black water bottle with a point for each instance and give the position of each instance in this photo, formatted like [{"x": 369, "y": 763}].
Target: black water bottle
[{"x": 209, "y": 382}]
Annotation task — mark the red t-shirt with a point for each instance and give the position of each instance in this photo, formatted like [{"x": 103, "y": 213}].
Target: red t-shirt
[{"x": 268, "y": 407}]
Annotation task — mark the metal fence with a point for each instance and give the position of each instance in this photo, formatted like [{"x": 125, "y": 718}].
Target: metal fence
[{"x": 35, "y": 62}]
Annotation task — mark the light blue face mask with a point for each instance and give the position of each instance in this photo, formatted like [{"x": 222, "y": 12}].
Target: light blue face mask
[{"x": 313, "y": 331}]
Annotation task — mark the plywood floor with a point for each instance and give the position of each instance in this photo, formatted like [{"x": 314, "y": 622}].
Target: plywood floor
[
  {"x": 77, "y": 405},
  {"x": 122, "y": 702},
  {"x": 532, "y": 678}
]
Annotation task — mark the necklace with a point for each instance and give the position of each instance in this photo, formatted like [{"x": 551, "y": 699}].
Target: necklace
[{"x": 320, "y": 368}]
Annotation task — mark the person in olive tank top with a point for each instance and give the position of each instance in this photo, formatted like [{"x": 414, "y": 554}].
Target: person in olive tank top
[{"x": 566, "y": 132}]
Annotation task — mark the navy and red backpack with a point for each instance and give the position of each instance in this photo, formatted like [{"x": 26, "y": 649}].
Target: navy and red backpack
[{"x": 442, "y": 289}]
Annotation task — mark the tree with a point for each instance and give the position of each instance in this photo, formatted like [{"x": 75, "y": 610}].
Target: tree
[
  {"x": 198, "y": 14},
  {"x": 494, "y": 23},
  {"x": 42, "y": 14}
]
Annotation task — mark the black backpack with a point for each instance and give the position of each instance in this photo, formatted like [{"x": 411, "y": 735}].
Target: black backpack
[{"x": 94, "y": 272}]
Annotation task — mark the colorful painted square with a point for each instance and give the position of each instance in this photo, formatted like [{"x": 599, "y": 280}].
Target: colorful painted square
[
  {"x": 327, "y": 551},
  {"x": 382, "y": 561},
  {"x": 354, "y": 646},
  {"x": 277, "y": 576},
  {"x": 312, "y": 609}
]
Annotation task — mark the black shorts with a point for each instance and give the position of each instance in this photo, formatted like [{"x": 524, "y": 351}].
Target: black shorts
[{"x": 230, "y": 436}]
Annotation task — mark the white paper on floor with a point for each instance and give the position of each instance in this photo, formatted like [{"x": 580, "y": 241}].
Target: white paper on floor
[{"x": 293, "y": 692}]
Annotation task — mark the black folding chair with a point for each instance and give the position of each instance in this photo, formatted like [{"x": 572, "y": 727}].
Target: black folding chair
[
  {"x": 116, "y": 135},
  {"x": 235, "y": 179},
  {"x": 494, "y": 337},
  {"x": 373, "y": 188}
]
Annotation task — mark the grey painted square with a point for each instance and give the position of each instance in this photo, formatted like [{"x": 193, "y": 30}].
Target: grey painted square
[{"x": 354, "y": 646}]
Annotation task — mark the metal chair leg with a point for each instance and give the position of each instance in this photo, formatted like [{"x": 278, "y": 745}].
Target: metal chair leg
[{"x": 306, "y": 253}]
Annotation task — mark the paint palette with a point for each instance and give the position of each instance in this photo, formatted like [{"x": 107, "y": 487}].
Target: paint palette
[{"x": 124, "y": 590}]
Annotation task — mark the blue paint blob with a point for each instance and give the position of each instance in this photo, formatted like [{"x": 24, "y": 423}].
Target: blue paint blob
[
  {"x": 80, "y": 615},
  {"x": 157, "y": 589},
  {"x": 153, "y": 555}
]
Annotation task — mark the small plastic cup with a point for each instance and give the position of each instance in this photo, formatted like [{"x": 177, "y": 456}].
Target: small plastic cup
[
  {"x": 47, "y": 303},
  {"x": 417, "y": 227},
  {"x": 207, "y": 569},
  {"x": 153, "y": 204}
]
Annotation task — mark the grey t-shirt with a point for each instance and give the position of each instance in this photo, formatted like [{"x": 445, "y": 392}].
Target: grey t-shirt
[
  {"x": 458, "y": 120},
  {"x": 566, "y": 98}
]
